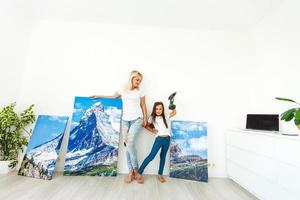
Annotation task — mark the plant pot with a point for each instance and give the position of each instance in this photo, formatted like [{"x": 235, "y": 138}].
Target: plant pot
[{"x": 4, "y": 169}]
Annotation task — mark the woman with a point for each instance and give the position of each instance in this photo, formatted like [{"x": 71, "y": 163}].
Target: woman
[{"x": 133, "y": 118}]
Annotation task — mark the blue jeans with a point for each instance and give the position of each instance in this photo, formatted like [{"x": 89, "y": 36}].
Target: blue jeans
[
  {"x": 130, "y": 131},
  {"x": 160, "y": 142}
]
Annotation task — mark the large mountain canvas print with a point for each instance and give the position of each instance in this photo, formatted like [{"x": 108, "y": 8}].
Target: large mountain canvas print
[
  {"x": 188, "y": 151},
  {"x": 94, "y": 137},
  {"x": 43, "y": 148}
]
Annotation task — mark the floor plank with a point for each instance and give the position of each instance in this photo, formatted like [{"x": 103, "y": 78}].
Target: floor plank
[{"x": 61, "y": 187}]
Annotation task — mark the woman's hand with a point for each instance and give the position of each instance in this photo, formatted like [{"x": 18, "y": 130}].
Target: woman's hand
[
  {"x": 114, "y": 96},
  {"x": 155, "y": 131},
  {"x": 94, "y": 96},
  {"x": 144, "y": 110}
]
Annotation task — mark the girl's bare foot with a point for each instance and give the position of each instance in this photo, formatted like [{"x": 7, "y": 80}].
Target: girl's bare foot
[
  {"x": 139, "y": 178},
  {"x": 128, "y": 179},
  {"x": 161, "y": 179}
]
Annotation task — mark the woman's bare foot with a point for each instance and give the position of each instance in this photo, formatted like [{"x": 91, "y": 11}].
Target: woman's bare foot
[
  {"x": 139, "y": 178},
  {"x": 161, "y": 179},
  {"x": 134, "y": 172},
  {"x": 128, "y": 179}
]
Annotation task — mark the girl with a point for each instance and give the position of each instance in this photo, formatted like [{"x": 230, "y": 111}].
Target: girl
[
  {"x": 159, "y": 126},
  {"x": 133, "y": 118}
]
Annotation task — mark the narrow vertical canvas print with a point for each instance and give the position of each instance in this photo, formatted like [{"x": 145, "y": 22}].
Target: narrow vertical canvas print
[
  {"x": 94, "y": 137},
  {"x": 188, "y": 151},
  {"x": 43, "y": 148}
]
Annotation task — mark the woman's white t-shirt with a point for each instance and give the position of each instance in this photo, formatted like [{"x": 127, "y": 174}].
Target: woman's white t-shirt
[
  {"x": 131, "y": 104},
  {"x": 160, "y": 126}
]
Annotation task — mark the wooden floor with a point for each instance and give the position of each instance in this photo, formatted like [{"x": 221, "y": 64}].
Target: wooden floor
[{"x": 14, "y": 187}]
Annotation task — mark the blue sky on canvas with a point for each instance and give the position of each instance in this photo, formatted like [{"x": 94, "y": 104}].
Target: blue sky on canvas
[
  {"x": 191, "y": 136},
  {"x": 47, "y": 128}
]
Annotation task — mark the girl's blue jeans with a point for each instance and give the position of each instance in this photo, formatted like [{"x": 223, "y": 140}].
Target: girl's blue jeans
[{"x": 162, "y": 143}]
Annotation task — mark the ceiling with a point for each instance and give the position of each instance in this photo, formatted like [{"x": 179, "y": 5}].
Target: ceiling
[{"x": 203, "y": 14}]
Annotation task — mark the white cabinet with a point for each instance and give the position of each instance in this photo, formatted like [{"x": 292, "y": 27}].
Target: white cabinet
[{"x": 266, "y": 164}]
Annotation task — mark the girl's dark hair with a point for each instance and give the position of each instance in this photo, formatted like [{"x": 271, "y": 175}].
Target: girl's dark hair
[{"x": 153, "y": 114}]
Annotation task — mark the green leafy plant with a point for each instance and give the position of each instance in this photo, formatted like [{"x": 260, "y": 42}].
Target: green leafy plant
[
  {"x": 12, "y": 125},
  {"x": 291, "y": 114}
]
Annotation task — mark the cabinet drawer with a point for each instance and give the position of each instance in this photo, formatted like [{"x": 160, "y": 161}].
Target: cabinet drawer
[
  {"x": 258, "y": 164},
  {"x": 261, "y": 144},
  {"x": 283, "y": 194},
  {"x": 288, "y": 177},
  {"x": 288, "y": 151},
  {"x": 254, "y": 183}
]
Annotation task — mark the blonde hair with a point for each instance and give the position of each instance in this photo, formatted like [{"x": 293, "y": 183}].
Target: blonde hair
[{"x": 132, "y": 75}]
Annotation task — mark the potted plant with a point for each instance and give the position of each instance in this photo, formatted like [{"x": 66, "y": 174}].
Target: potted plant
[
  {"x": 12, "y": 140},
  {"x": 291, "y": 114}
]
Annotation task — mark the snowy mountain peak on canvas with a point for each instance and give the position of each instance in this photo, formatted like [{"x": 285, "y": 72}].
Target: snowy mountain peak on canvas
[
  {"x": 95, "y": 116},
  {"x": 96, "y": 107},
  {"x": 94, "y": 140},
  {"x": 44, "y": 153}
]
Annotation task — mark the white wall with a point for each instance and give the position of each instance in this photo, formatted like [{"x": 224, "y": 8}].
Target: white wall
[
  {"x": 277, "y": 46},
  {"x": 220, "y": 76},
  {"x": 210, "y": 70},
  {"x": 15, "y": 27}
]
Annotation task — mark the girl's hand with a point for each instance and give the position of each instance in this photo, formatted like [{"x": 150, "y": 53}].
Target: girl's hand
[
  {"x": 155, "y": 131},
  {"x": 145, "y": 122},
  {"x": 173, "y": 113}
]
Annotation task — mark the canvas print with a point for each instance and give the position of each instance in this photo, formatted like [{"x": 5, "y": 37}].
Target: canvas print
[
  {"x": 43, "y": 148},
  {"x": 188, "y": 150},
  {"x": 94, "y": 137}
]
